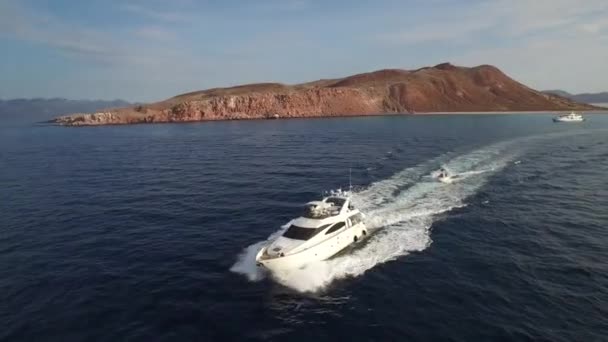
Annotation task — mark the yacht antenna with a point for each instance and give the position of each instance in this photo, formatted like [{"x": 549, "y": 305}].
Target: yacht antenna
[{"x": 350, "y": 177}]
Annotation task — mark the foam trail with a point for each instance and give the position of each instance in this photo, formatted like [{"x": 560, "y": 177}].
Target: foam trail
[{"x": 401, "y": 209}]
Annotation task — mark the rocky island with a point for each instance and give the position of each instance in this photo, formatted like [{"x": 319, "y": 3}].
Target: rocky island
[{"x": 441, "y": 88}]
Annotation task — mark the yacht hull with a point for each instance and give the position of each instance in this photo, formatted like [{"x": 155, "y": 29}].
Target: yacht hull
[
  {"x": 321, "y": 251},
  {"x": 568, "y": 120},
  {"x": 446, "y": 180}
]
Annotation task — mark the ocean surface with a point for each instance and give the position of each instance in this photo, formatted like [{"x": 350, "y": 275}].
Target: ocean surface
[{"x": 148, "y": 232}]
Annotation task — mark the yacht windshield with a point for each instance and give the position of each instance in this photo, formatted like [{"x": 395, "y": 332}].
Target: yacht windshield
[
  {"x": 300, "y": 233},
  {"x": 337, "y": 201}
]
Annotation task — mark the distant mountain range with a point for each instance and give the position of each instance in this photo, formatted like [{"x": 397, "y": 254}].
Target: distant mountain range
[
  {"x": 584, "y": 97},
  {"x": 39, "y": 109}
]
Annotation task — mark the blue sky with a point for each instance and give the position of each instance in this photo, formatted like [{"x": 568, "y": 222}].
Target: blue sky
[{"x": 151, "y": 50}]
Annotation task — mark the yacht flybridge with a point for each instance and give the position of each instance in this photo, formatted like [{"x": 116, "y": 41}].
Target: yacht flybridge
[
  {"x": 325, "y": 228},
  {"x": 572, "y": 117}
]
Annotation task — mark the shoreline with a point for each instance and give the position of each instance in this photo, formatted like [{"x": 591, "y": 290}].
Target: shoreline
[
  {"x": 514, "y": 112},
  {"x": 544, "y": 112}
]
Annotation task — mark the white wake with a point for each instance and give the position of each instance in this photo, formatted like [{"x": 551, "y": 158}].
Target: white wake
[{"x": 401, "y": 210}]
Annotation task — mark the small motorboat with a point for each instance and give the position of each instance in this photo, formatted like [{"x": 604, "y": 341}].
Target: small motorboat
[
  {"x": 445, "y": 179},
  {"x": 325, "y": 228},
  {"x": 572, "y": 117},
  {"x": 444, "y": 176}
]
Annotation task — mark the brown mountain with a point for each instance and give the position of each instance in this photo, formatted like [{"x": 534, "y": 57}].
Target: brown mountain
[{"x": 442, "y": 88}]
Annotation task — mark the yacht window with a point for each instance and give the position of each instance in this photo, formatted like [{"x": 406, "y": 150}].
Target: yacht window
[
  {"x": 335, "y": 227},
  {"x": 300, "y": 233},
  {"x": 355, "y": 219}
]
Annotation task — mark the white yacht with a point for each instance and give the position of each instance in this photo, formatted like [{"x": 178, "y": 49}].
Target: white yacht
[
  {"x": 572, "y": 117},
  {"x": 325, "y": 228}
]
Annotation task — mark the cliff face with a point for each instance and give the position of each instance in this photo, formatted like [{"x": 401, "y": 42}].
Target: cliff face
[{"x": 444, "y": 88}]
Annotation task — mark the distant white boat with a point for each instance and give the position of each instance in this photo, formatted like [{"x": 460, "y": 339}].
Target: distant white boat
[{"x": 572, "y": 117}]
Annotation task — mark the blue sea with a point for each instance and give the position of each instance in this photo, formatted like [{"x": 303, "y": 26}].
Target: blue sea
[{"x": 148, "y": 232}]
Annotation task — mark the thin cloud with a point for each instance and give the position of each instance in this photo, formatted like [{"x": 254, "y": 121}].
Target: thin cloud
[
  {"x": 568, "y": 62},
  {"x": 155, "y": 33},
  {"x": 26, "y": 24},
  {"x": 282, "y": 5},
  {"x": 437, "y": 33},
  {"x": 596, "y": 27},
  {"x": 151, "y": 13},
  {"x": 501, "y": 19},
  {"x": 130, "y": 49}
]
